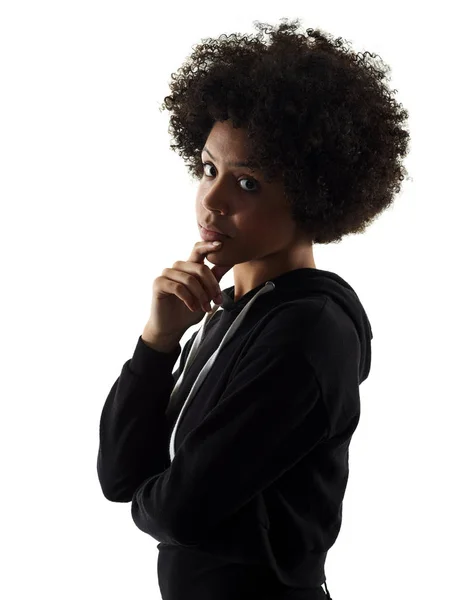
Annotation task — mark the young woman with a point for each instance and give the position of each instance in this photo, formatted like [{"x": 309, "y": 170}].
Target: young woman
[{"x": 237, "y": 463}]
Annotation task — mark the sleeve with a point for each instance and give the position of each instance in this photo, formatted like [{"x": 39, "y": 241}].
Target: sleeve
[
  {"x": 270, "y": 416},
  {"x": 134, "y": 433}
]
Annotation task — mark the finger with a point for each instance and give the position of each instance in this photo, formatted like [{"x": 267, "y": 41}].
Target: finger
[
  {"x": 192, "y": 277},
  {"x": 201, "y": 249},
  {"x": 199, "y": 253}
]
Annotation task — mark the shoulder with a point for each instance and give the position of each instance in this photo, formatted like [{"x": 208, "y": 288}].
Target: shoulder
[
  {"x": 294, "y": 321},
  {"x": 316, "y": 326}
]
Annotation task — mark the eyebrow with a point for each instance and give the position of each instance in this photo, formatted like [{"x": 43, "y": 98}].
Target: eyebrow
[{"x": 236, "y": 164}]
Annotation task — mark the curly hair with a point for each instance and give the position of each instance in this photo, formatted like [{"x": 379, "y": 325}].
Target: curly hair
[{"x": 317, "y": 115}]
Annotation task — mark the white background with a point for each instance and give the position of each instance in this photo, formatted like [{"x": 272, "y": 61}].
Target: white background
[{"x": 95, "y": 205}]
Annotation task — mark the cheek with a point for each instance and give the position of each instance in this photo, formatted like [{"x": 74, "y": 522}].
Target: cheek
[{"x": 264, "y": 229}]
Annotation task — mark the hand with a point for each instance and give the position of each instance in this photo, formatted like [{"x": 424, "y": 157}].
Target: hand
[{"x": 180, "y": 293}]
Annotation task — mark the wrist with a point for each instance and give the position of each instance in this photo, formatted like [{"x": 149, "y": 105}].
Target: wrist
[{"x": 159, "y": 343}]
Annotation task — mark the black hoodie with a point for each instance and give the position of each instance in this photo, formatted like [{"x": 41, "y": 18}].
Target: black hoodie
[{"x": 237, "y": 463}]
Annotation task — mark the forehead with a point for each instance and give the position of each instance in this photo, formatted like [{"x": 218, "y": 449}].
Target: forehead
[
  {"x": 228, "y": 145},
  {"x": 224, "y": 138}
]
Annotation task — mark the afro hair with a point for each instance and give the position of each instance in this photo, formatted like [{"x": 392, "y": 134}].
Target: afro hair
[{"x": 317, "y": 116}]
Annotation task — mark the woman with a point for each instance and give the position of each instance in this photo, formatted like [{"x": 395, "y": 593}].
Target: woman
[{"x": 238, "y": 462}]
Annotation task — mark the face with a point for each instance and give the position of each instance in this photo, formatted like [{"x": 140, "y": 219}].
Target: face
[{"x": 263, "y": 239}]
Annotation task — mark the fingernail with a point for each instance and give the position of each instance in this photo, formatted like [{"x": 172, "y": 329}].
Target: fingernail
[{"x": 218, "y": 299}]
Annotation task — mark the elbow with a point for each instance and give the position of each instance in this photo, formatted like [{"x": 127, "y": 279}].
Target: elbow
[
  {"x": 114, "y": 491},
  {"x": 114, "y": 494}
]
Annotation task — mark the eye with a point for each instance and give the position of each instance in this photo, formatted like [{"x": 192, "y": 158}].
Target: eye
[{"x": 251, "y": 180}]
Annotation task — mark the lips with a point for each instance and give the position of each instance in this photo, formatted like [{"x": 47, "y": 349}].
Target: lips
[
  {"x": 211, "y": 236},
  {"x": 212, "y": 229}
]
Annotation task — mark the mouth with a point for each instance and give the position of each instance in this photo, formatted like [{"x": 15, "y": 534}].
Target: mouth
[{"x": 211, "y": 236}]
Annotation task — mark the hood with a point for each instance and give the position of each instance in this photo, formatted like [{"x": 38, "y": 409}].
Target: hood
[{"x": 294, "y": 284}]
